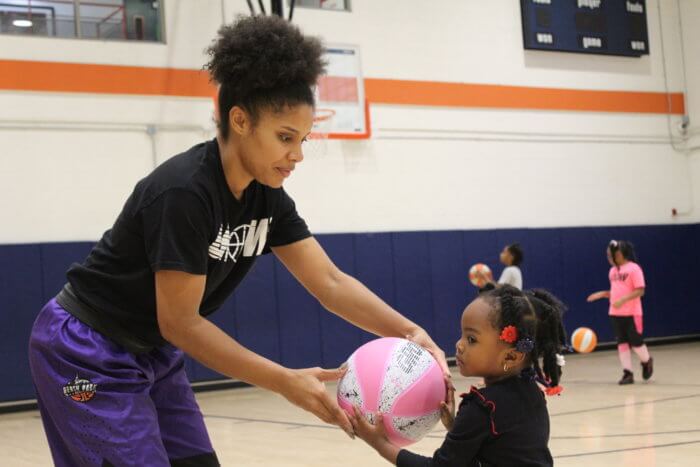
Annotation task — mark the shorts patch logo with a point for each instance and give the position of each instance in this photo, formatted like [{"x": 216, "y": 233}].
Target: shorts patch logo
[{"x": 80, "y": 390}]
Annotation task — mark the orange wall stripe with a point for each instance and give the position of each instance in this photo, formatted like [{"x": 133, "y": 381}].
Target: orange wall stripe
[
  {"x": 22, "y": 75},
  {"x": 103, "y": 79},
  {"x": 440, "y": 94}
]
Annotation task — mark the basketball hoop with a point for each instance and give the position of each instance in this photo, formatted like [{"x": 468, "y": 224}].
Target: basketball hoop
[{"x": 317, "y": 141}]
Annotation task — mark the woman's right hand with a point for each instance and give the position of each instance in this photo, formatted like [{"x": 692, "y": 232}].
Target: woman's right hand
[{"x": 305, "y": 388}]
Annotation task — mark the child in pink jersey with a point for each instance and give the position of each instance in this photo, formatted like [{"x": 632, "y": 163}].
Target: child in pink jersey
[{"x": 625, "y": 294}]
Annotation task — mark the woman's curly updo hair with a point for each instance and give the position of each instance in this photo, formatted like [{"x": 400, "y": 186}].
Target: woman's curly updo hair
[{"x": 263, "y": 63}]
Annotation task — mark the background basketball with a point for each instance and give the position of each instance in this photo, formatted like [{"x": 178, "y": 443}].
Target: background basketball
[
  {"x": 479, "y": 267},
  {"x": 584, "y": 340},
  {"x": 399, "y": 379}
]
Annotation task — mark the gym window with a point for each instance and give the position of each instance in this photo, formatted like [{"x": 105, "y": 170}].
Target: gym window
[
  {"x": 334, "y": 5},
  {"x": 131, "y": 20}
]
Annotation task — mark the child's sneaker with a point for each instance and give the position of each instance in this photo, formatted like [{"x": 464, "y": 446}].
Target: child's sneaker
[
  {"x": 627, "y": 378},
  {"x": 648, "y": 369}
]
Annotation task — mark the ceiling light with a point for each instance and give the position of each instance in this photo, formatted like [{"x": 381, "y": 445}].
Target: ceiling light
[{"x": 22, "y": 23}]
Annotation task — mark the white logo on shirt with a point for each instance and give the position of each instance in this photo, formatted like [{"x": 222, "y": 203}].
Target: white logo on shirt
[{"x": 248, "y": 239}]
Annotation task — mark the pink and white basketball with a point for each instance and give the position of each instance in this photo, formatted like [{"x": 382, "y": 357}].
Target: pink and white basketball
[
  {"x": 474, "y": 277},
  {"x": 584, "y": 340},
  {"x": 399, "y": 379}
]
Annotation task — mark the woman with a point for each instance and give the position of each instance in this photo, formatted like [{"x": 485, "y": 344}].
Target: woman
[{"x": 107, "y": 353}]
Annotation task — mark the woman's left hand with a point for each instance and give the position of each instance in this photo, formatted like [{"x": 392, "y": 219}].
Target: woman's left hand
[{"x": 618, "y": 303}]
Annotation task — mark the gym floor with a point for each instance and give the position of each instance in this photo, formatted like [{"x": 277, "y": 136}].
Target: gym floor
[{"x": 594, "y": 422}]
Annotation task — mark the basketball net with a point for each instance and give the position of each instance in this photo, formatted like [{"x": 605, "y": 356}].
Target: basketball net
[{"x": 317, "y": 142}]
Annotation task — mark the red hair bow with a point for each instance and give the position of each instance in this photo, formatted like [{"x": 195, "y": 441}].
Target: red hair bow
[{"x": 509, "y": 334}]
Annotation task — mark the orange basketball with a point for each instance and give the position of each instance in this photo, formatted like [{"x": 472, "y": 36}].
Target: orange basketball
[
  {"x": 584, "y": 340},
  {"x": 474, "y": 278}
]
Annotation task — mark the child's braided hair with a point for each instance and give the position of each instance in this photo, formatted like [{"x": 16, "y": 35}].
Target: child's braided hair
[{"x": 537, "y": 316}]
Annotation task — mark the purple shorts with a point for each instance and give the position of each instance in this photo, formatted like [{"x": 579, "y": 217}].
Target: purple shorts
[{"x": 104, "y": 406}]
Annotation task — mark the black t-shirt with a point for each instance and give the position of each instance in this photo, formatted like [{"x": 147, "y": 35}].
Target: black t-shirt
[
  {"x": 181, "y": 217},
  {"x": 504, "y": 424}
]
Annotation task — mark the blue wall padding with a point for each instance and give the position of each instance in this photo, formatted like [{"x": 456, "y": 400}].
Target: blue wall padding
[
  {"x": 450, "y": 291},
  {"x": 21, "y": 299},
  {"x": 256, "y": 310},
  {"x": 584, "y": 269},
  {"x": 56, "y": 258},
  {"x": 374, "y": 266},
  {"x": 299, "y": 322},
  {"x": 338, "y": 337},
  {"x": 421, "y": 274},
  {"x": 414, "y": 289}
]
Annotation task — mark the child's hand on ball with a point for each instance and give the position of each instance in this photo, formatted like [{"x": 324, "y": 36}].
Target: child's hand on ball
[
  {"x": 374, "y": 435},
  {"x": 447, "y": 408}
]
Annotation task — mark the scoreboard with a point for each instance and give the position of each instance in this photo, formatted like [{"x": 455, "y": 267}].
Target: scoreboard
[{"x": 607, "y": 27}]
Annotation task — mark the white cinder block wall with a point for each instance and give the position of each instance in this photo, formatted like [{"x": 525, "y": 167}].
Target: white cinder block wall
[{"x": 68, "y": 161}]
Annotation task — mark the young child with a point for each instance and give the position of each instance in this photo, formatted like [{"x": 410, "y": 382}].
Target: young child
[
  {"x": 505, "y": 333},
  {"x": 511, "y": 257},
  {"x": 625, "y": 294}
]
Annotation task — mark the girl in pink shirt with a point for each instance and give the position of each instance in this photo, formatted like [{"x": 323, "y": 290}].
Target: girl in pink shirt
[{"x": 625, "y": 294}]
